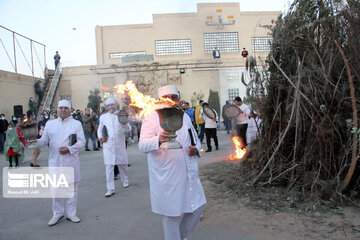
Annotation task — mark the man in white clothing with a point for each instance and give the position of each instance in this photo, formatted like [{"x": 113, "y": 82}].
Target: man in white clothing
[
  {"x": 57, "y": 135},
  {"x": 176, "y": 192},
  {"x": 254, "y": 127},
  {"x": 242, "y": 120},
  {"x": 114, "y": 149}
]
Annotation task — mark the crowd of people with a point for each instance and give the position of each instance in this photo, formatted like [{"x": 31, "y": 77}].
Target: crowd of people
[
  {"x": 176, "y": 192},
  {"x": 247, "y": 125}
]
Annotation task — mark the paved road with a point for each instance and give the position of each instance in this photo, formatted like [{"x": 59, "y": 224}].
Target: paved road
[{"x": 126, "y": 215}]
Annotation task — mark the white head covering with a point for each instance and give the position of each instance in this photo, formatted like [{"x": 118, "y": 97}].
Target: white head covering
[
  {"x": 64, "y": 103},
  {"x": 168, "y": 89},
  {"x": 110, "y": 101}
]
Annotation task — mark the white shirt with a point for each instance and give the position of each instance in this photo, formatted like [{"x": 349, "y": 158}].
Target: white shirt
[
  {"x": 244, "y": 116},
  {"x": 253, "y": 130},
  {"x": 175, "y": 187},
  {"x": 114, "y": 149},
  {"x": 57, "y": 134},
  {"x": 210, "y": 123}
]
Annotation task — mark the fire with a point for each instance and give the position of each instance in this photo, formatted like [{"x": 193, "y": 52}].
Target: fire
[
  {"x": 239, "y": 152},
  {"x": 144, "y": 102}
]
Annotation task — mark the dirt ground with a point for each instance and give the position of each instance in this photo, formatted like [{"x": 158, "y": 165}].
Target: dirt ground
[{"x": 261, "y": 221}]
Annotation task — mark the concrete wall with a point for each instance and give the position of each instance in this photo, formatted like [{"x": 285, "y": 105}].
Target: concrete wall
[
  {"x": 77, "y": 82},
  {"x": 15, "y": 89},
  {"x": 142, "y": 37},
  {"x": 213, "y": 75}
]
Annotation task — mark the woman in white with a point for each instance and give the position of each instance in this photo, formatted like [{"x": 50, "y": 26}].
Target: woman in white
[
  {"x": 176, "y": 192},
  {"x": 114, "y": 149}
]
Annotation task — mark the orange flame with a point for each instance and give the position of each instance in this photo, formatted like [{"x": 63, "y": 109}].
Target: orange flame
[
  {"x": 144, "y": 102},
  {"x": 239, "y": 152},
  {"x": 106, "y": 89}
]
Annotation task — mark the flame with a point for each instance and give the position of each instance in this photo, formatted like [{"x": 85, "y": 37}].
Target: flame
[
  {"x": 144, "y": 102},
  {"x": 239, "y": 152},
  {"x": 202, "y": 150},
  {"x": 25, "y": 120},
  {"x": 106, "y": 89}
]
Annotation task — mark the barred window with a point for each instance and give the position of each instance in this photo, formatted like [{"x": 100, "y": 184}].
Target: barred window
[
  {"x": 232, "y": 75},
  {"x": 261, "y": 44},
  {"x": 173, "y": 47},
  {"x": 124, "y": 54},
  {"x": 233, "y": 93},
  {"x": 225, "y": 42},
  {"x": 66, "y": 97}
]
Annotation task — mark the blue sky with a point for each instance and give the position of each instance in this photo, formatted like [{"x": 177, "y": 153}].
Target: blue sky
[{"x": 51, "y": 22}]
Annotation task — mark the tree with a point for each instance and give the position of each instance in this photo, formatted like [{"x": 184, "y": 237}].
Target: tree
[
  {"x": 214, "y": 101},
  {"x": 310, "y": 133},
  {"x": 196, "y": 97},
  {"x": 94, "y": 100}
]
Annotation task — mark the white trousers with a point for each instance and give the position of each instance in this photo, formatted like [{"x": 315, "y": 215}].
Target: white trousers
[
  {"x": 123, "y": 169},
  {"x": 58, "y": 204},
  {"x": 177, "y": 228}
]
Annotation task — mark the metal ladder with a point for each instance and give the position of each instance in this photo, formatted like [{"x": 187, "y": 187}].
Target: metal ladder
[{"x": 52, "y": 89}]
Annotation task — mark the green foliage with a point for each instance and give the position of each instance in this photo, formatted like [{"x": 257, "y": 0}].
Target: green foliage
[
  {"x": 214, "y": 101},
  {"x": 94, "y": 100},
  {"x": 196, "y": 97}
]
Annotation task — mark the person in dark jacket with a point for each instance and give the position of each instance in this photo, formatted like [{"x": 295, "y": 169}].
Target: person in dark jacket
[
  {"x": 38, "y": 90},
  {"x": 227, "y": 121},
  {"x": 216, "y": 53},
  {"x": 33, "y": 105},
  {"x": 3, "y": 128},
  {"x": 89, "y": 119},
  {"x": 57, "y": 59}
]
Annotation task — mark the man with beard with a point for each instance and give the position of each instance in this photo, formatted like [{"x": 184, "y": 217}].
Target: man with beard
[
  {"x": 114, "y": 149},
  {"x": 176, "y": 192}
]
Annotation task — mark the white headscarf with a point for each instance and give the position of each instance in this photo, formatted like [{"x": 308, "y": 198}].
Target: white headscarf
[
  {"x": 64, "y": 103},
  {"x": 168, "y": 89},
  {"x": 110, "y": 101}
]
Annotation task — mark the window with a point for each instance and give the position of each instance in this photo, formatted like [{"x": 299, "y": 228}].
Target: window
[
  {"x": 232, "y": 75},
  {"x": 124, "y": 54},
  {"x": 233, "y": 93},
  {"x": 261, "y": 44},
  {"x": 66, "y": 97},
  {"x": 173, "y": 47},
  {"x": 225, "y": 42}
]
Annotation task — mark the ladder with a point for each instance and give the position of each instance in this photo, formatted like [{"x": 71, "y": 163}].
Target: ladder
[{"x": 52, "y": 89}]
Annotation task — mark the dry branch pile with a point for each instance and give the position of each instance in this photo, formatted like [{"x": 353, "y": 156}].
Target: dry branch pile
[{"x": 310, "y": 135}]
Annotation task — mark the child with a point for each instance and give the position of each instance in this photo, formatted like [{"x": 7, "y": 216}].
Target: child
[
  {"x": 41, "y": 131},
  {"x": 13, "y": 147}
]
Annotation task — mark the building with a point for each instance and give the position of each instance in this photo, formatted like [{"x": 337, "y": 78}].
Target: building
[{"x": 175, "y": 49}]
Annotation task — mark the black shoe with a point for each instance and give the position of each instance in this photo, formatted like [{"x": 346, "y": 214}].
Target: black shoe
[
  {"x": 87, "y": 149},
  {"x": 209, "y": 150},
  {"x": 96, "y": 149},
  {"x": 32, "y": 165}
]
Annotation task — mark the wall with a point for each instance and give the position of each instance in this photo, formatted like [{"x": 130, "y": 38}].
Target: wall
[
  {"x": 15, "y": 89},
  {"x": 141, "y": 37}
]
